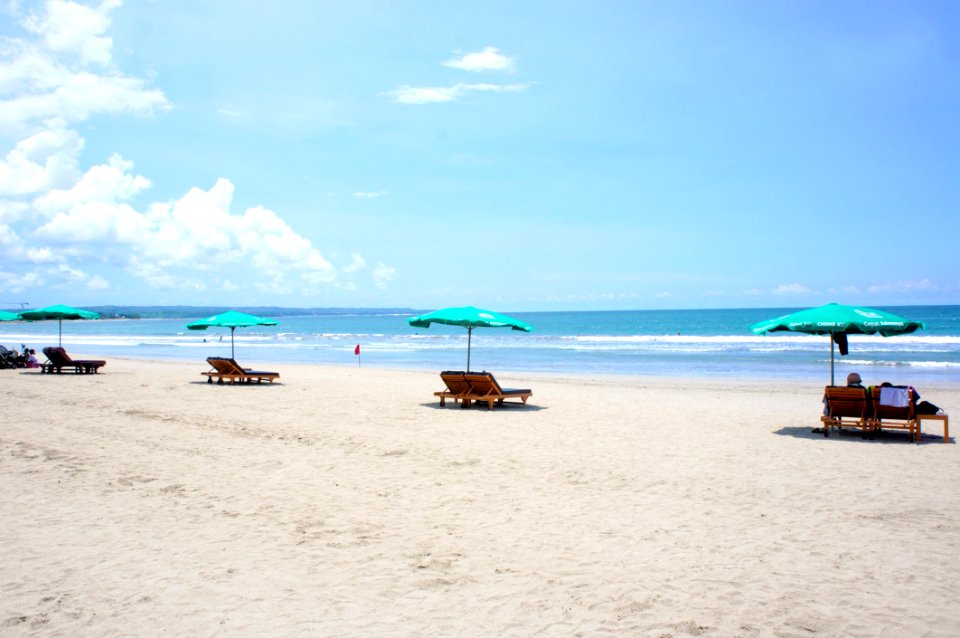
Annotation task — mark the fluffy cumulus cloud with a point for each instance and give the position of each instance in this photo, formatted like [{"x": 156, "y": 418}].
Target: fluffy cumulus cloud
[
  {"x": 61, "y": 224},
  {"x": 70, "y": 28},
  {"x": 489, "y": 59},
  {"x": 190, "y": 243},
  {"x": 47, "y": 159},
  {"x": 66, "y": 73}
]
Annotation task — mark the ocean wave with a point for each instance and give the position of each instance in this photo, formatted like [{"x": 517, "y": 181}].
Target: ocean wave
[
  {"x": 891, "y": 363},
  {"x": 789, "y": 339}
]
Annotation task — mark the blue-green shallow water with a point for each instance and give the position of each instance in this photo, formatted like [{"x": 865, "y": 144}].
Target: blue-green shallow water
[{"x": 699, "y": 343}]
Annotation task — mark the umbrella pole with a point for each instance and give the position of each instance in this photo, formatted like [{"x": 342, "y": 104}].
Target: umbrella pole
[
  {"x": 831, "y": 359},
  {"x": 60, "y": 333},
  {"x": 233, "y": 329},
  {"x": 469, "y": 336}
]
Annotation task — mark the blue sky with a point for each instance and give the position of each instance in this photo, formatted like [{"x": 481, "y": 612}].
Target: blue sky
[{"x": 512, "y": 155}]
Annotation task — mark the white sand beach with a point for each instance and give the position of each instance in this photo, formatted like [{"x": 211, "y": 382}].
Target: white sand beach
[{"x": 345, "y": 502}]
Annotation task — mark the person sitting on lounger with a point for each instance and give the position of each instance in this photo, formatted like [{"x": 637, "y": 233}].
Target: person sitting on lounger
[
  {"x": 914, "y": 396},
  {"x": 853, "y": 381}
]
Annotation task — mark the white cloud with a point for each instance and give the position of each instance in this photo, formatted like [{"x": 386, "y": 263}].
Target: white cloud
[
  {"x": 369, "y": 194},
  {"x": 11, "y": 211},
  {"x": 74, "y": 277},
  {"x": 77, "y": 97},
  {"x": 108, "y": 183},
  {"x": 845, "y": 291},
  {"x": 791, "y": 289},
  {"x": 75, "y": 29},
  {"x": 904, "y": 287},
  {"x": 490, "y": 59},
  {"x": 357, "y": 263},
  {"x": 434, "y": 94},
  {"x": 422, "y": 94},
  {"x": 170, "y": 242},
  {"x": 383, "y": 275},
  {"x": 42, "y": 161},
  {"x": 15, "y": 250},
  {"x": 18, "y": 282},
  {"x": 62, "y": 224},
  {"x": 49, "y": 79}
]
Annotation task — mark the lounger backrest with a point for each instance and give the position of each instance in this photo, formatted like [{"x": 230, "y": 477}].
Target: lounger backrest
[
  {"x": 224, "y": 365},
  {"x": 455, "y": 381},
  {"x": 484, "y": 384},
  {"x": 843, "y": 401},
  {"x": 883, "y": 411},
  {"x": 58, "y": 356}
]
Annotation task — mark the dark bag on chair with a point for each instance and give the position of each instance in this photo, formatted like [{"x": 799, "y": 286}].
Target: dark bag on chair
[{"x": 925, "y": 407}]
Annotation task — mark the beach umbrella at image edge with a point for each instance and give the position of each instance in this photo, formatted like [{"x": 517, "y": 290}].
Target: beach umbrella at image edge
[
  {"x": 233, "y": 320},
  {"x": 838, "y": 321},
  {"x": 469, "y": 318},
  {"x": 58, "y": 312},
  {"x": 8, "y": 316}
]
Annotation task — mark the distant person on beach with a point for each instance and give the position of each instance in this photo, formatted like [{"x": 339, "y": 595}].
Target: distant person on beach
[{"x": 32, "y": 361}]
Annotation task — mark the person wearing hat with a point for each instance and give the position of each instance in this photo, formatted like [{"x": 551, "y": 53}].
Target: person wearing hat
[{"x": 853, "y": 381}]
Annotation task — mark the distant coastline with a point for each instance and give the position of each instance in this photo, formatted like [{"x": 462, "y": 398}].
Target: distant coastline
[{"x": 187, "y": 312}]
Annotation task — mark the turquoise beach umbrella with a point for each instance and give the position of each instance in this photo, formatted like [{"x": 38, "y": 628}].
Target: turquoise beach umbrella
[
  {"x": 469, "y": 318},
  {"x": 838, "y": 321},
  {"x": 8, "y": 316},
  {"x": 58, "y": 312},
  {"x": 233, "y": 320}
]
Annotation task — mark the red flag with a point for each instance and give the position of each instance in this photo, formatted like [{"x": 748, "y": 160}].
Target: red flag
[{"x": 356, "y": 350}]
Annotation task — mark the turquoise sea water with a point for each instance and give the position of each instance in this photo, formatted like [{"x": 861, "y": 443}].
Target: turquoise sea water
[{"x": 655, "y": 342}]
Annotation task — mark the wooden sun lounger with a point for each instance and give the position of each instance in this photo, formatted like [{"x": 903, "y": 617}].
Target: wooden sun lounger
[
  {"x": 484, "y": 387},
  {"x": 226, "y": 368},
  {"x": 58, "y": 359},
  {"x": 456, "y": 386},
  {"x": 851, "y": 404},
  {"x": 895, "y": 417}
]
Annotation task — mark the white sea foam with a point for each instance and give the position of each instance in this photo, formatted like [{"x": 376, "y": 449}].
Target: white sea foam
[
  {"x": 332, "y": 339},
  {"x": 789, "y": 339}
]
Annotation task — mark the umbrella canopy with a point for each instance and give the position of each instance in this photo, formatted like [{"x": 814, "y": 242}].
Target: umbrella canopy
[
  {"x": 8, "y": 316},
  {"x": 233, "y": 320},
  {"x": 469, "y": 318},
  {"x": 58, "y": 312},
  {"x": 838, "y": 321}
]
